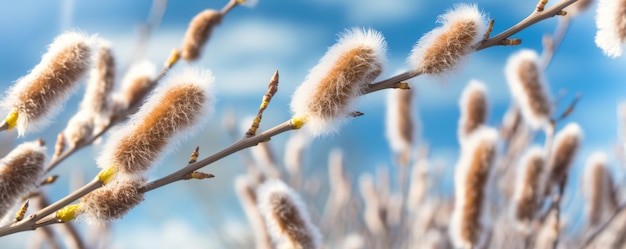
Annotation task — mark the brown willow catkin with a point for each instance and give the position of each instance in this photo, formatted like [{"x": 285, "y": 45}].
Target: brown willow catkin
[
  {"x": 39, "y": 95},
  {"x": 472, "y": 173},
  {"x": 286, "y": 218},
  {"x": 20, "y": 172},
  {"x": 169, "y": 115},
  {"x": 198, "y": 33}
]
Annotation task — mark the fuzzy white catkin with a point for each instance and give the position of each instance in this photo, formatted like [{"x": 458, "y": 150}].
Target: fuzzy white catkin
[
  {"x": 441, "y": 50},
  {"x": 111, "y": 201},
  {"x": 597, "y": 188},
  {"x": 528, "y": 187},
  {"x": 611, "y": 24},
  {"x": 294, "y": 151},
  {"x": 173, "y": 112},
  {"x": 136, "y": 82},
  {"x": 566, "y": 144},
  {"x": 286, "y": 217},
  {"x": 470, "y": 179},
  {"x": 100, "y": 84},
  {"x": 39, "y": 95},
  {"x": 473, "y": 105},
  {"x": 399, "y": 122},
  {"x": 325, "y": 98},
  {"x": 529, "y": 88},
  {"x": 20, "y": 172}
]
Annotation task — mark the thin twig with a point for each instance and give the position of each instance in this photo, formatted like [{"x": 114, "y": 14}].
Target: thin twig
[
  {"x": 500, "y": 39},
  {"x": 72, "y": 238},
  {"x": 243, "y": 143},
  {"x": 602, "y": 227},
  {"x": 43, "y": 217},
  {"x": 557, "y": 209}
]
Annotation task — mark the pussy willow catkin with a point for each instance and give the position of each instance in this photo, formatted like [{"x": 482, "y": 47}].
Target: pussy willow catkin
[
  {"x": 286, "y": 217},
  {"x": 39, "y": 95},
  {"x": 20, "y": 172},
  {"x": 441, "y": 50},
  {"x": 170, "y": 114},
  {"x": 325, "y": 97},
  {"x": 528, "y": 87},
  {"x": 471, "y": 176}
]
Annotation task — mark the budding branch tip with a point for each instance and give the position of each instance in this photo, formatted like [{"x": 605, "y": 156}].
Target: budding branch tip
[
  {"x": 49, "y": 180},
  {"x": 198, "y": 175},
  {"x": 194, "y": 155},
  {"x": 511, "y": 42},
  {"x": 355, "y": 114}
]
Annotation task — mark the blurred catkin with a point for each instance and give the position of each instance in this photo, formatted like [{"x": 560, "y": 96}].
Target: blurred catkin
[
  {"x": 528, "y": 87},
  {"x": 597, "y": 189},
  {"x": 286, "y": 218},
  {"x": 400, "y": 124},
  {"x": 474, "y": 108},
  {"x": 198, "y": 33},
  {"x": 564, "y": 150},
  {"x": 471, "y": 175},
  {"x": 112, "y": 201},
  {"x": 528, "y": 188}
]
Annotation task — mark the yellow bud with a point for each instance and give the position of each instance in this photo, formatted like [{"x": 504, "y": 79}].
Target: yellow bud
[
  {"x": 11, "y": 119},
  {"x": 106, "y": 175},
  {"x": 67, "y": 213},
  {"x": 298, "y": 122}
]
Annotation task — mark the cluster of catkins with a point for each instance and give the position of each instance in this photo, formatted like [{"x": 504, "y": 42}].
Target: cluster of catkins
[
  {"x": 505, "y": 187},
  {"x": 171, "y": 112}
]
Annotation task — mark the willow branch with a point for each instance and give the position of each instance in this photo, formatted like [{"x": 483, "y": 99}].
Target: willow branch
[
  {"x": 243, "y": 143},
  {"x": 499, "y": 39},
  {"x": 43, "y": 217}
]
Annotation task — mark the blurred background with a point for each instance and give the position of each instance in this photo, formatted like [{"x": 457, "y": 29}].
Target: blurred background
[{"x": 291, "y": 36}]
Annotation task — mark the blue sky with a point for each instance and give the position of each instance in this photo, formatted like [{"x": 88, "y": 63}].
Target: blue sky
[{"x": 291, "y": 36}]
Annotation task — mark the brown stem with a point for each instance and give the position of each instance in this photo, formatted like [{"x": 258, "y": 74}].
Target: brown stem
[
  {"x": 43, "y": 217},
  {"x": 237, "y": 146}
]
